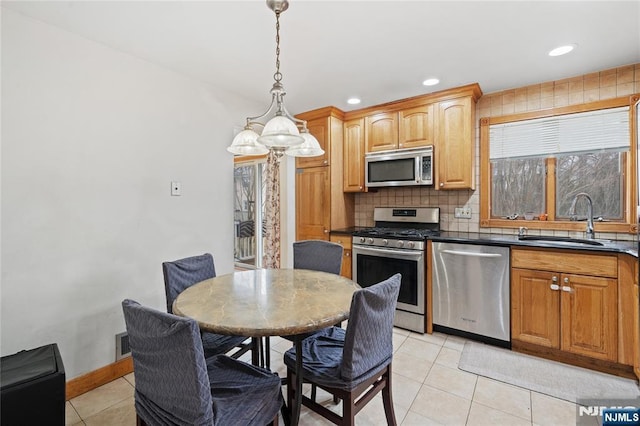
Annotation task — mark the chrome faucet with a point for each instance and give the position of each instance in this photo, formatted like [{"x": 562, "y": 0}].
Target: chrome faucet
[{"x": 572, "y": 212}]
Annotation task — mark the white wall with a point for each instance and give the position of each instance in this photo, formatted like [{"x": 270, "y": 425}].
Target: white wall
[{"x": 91, "y": 139}]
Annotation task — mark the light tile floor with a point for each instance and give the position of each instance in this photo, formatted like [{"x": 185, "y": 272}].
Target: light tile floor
[{"x": 428, "y": 389}]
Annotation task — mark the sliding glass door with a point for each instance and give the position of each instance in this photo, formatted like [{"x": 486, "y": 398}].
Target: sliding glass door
[{"x": 249, "y": 191}]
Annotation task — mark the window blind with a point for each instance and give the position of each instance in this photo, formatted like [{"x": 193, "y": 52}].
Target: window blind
[{"x": 592, "y": 131}]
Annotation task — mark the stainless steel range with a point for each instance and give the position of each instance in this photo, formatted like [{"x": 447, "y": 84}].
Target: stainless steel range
[{"x": 397, "y": 244}]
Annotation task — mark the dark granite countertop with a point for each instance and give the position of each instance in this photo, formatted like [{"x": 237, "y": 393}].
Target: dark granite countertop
[
  {"x": 614, "y": 246},
  {"x": 348, "y": 231},
  {"x": 628, "y": 247}
]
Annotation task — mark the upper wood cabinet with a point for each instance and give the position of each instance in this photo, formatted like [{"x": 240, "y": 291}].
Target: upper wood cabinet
[
  {"x": 454, "y": 145},
  {"x": 319, "y": 128},
  {"x": 381, "y": 131},
  {"x": 444, "y": 119},
  {"x": 354, "y": 156},
  {"x": 321, "y": 203},
  {"x": 407, "y": 128},
  {"x": 416, "y": 127}
]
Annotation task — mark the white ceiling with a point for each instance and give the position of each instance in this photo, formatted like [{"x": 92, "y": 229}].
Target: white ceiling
[{"x": 377, "y": 50}]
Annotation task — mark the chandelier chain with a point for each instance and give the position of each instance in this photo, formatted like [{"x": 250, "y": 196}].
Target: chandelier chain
[{"x": 278, "y": 75}]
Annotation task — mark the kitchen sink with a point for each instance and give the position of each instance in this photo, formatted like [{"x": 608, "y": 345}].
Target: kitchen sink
[{"x": 565, "y": 241}]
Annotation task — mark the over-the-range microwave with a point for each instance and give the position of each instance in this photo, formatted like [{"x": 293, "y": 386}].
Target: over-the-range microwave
[{"x": 402, "y": 167}]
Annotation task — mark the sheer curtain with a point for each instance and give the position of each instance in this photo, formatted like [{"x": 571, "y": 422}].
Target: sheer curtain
[{"x": 272, "y": 213}]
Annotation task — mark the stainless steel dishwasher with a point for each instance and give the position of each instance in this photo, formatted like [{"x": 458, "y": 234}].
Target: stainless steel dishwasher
[{"x": 471, "y": 291}]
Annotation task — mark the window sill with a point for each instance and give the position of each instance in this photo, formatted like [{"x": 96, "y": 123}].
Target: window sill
[{"x": 618, "y": 227}]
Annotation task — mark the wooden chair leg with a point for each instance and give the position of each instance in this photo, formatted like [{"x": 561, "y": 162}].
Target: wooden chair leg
[
  {"x": 267, "y": 353},
  {"x": 387, "y": 399},
  {"x": 290, "y": 380},
  {"x": 348, "y": 411},
  {"x": 274, "y": 422},
  {"x": 256, "y": 344},
  {"x": 336, "y": 400},
  {"x": 139, "y": 421}
]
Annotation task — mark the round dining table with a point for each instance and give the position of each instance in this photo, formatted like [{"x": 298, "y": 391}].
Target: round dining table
[{"x": 269, "y": 302}]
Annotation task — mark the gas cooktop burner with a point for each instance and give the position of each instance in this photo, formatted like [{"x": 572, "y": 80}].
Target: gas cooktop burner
[
  {"x": 403, "y": 233},
  {"x": 396, "y": 225}
]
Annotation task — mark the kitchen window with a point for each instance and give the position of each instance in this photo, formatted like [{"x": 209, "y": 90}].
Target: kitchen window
[
  {"x": 599, "y": 174},
  {"x": 518, "y": 185},
  {"x": 533, "y": 165}
]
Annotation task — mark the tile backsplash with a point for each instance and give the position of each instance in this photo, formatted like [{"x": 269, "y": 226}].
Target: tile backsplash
[
  {"x": 421, "y": 197},
  {"x": 608, "y": 84}
]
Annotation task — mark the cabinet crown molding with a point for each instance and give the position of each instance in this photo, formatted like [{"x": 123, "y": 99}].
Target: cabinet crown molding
[
  {"x": 324, "y": 112},
  {"x": 473, "y": 90}
]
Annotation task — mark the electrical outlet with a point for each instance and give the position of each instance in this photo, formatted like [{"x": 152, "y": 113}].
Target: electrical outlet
[{"x": 462, "y": 213}]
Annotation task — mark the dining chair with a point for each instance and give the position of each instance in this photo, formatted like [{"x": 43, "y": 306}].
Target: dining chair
[
  {"x": 316, "y": 255},
  {"x": 176, "y": 385},
  {"x": 183, "y": 273},
  {"x": 352, "y": 365}
]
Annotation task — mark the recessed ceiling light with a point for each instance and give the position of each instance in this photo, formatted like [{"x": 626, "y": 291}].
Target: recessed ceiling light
[
  {"x": 353, "y": 101},
  {"x": 431, "y": 82},
  {"x": 562, "y": 50}
]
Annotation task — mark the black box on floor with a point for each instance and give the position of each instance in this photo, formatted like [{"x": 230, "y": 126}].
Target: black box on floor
[{"x": 32, "y": 387}]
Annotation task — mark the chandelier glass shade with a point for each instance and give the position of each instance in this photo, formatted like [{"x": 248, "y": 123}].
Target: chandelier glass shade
[
  {"x": 309, "y": 148},
  {"x": 280, "y": 132},
  {"x": 246, "y": 143}
]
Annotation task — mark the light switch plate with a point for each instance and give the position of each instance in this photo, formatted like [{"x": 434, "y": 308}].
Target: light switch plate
[{"x": 176, "y": 189}]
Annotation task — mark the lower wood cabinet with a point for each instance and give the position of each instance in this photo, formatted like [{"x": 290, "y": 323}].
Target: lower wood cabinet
[
  {"x": 535, "y": 309},
  {"x": 636, "y": 323},
  {"x": 346, "y": 242},
  {"x": 567, "y": 301}
]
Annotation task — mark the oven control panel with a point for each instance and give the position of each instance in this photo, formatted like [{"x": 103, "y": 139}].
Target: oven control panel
[{"x": 389, "y": 242}]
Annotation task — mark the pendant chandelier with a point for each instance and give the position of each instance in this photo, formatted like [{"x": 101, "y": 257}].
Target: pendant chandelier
[{"x": 282, "y": 134}]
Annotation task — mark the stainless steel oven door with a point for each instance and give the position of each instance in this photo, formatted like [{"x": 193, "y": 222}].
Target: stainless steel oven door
[{"x": 374, "y": 264}]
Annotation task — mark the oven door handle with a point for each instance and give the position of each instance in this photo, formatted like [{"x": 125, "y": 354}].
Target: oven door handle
[
  {"x": 471, "y": 253},
  {"x": 405, "y": 253}
]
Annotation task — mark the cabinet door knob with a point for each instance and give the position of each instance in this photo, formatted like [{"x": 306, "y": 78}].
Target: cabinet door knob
[
  {"x": 566, "y": 280},
  {"x": 325, "y": 162},
  {"x": 347, "y": 254},
  {"x": 441, "y": 184},
  {"x": 326, "y": 231},
  {"x": 554, "y": 279},
  {"x": 360, "y": 187}
]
